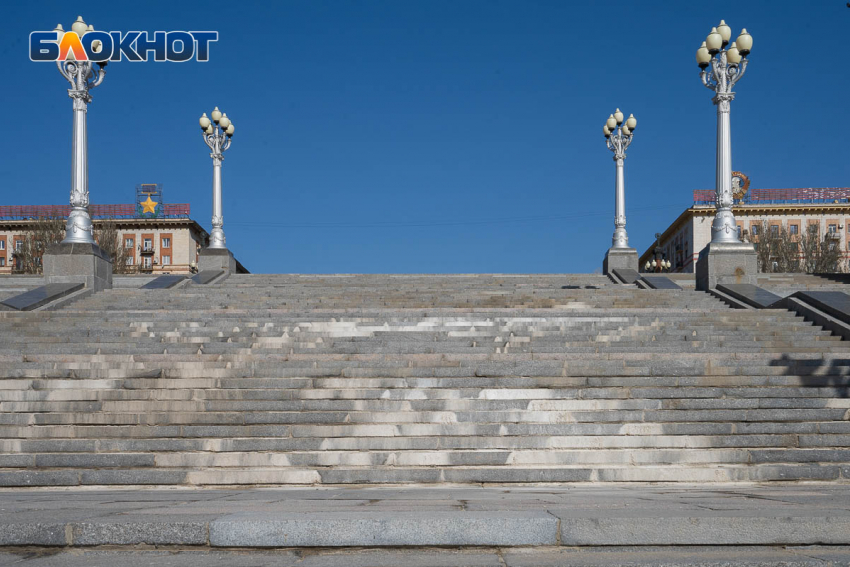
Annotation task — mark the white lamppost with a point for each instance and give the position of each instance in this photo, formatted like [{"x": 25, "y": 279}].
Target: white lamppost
[
  {"x": 618, "y": 137},
  {"x": 83, "y": 76},
  {"x": 217, "y": 135},
  {"x": 721, "y": 68}
]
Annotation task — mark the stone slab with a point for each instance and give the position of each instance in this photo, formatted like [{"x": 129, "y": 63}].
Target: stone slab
[
  {"x": 660, "y": 282},
  {"x": 726, "y": 263},
  {"x": 750, "y": 294},
  {"x": 164, "y": 282},
  {"x": 626, "y": 275},
  {"x": 78, "y": 263},
  {"x": 206, "y": 276},
  {"x": 42, "y": 295},
  {"x": 217, "y": 259},
  {"x": 835, "y": 303},
  {"x": 370, "y": 529},
  {"x": 620, "y": 258},
  {"x": 713, "y": 556},
  {"x": 460, "y": 516},
  {"x": 674, "y": 528}
]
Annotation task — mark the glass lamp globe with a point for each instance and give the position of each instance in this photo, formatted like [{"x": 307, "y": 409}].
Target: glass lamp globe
[
  {"x": 224, "y": 121},
  {"x": 703, "y": 56},
  {"x": 631, "y": 122},
  {"x": 204, "y": 122},
  {"x": 619, "y": 116},
  {"x": 230, "y": 129},
  {"x": 611, "y": 123},
  {"x": 725, "y": 31},
  {"x": 79, "y": 27},
  {"x": 714, "y": 41},
  {"x": 744, "y": 42},
  {"x": 733, "y": 56},
  {"x": 215, "y": 115},
  {"x": 606, "y": 131}
]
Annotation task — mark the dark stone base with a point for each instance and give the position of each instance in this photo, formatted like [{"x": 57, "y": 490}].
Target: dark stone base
[
  {"x": 622, "y": 258},
  {"x": 727, "y": 263},
  {"x": 216, "y": 259},
  {"x": 78, "y": 263}
]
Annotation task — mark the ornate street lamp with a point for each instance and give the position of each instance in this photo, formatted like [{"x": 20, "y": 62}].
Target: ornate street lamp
[
  {"x": 618, "y": 137},
  {"x": 722, "y": 67},
  {"x": 83, "y": 76},
  {"x": 217, "y": 133},
  {"x": 657, "y": 265}
]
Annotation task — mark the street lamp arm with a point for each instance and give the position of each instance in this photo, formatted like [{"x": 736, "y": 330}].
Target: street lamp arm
[
  {"x": 69, "y": 75},
  {"x": 98, "y": 77},
  {"x": 739, "y": 70}
]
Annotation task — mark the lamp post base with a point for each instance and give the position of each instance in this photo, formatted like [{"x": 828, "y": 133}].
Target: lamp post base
[
  {"x": 217, "y": 259},
  {"x": 75, "y": 262},
  {"x": 620, "y": 259},
  {"x": 726, "y": 263}
]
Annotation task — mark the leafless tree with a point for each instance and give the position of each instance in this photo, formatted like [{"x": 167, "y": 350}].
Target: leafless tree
[
  {"x": 820, "y": 254},
  {"x": 109, "y": 239},
  {"x": 42, "y": 232}
]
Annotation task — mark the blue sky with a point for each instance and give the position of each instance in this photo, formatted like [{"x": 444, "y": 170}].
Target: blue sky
[{"x": 432, "y": 136}]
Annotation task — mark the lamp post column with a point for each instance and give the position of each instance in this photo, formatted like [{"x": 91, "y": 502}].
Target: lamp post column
[
  {"x": 218, "y": 133},
  {"x": 217, "y": 239},
  {"x": 620, "y": 239},
  {"x": 724, "y": 229},
  {"x": 78, "y": 259},
  {"x": 725, "y": 259},
  {"x": 618, "y": 137},
  {"x": 79, "y": 226}
]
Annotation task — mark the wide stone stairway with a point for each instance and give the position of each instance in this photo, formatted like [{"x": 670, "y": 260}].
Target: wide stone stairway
[{"x": 277, "y": 380}]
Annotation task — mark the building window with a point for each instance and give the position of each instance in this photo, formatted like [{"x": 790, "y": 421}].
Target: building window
[
  {"x": 128, "y": 243},
  {"x": 166, "y": 260},
  {"x": 740, "y": 230},
  {"x": 833, "y": 228},
  {"x": 2, "y": 244},
  {"x": 19, "y": 244},
  {"x": 2, "y": 261},
  {"x": 148, "y": 245},
  {"x": 755, "y": 229},
  {"x": 146, "y": 262},
  {"x": 774, "y": 230},
  {"x": 794, "y": 247},
  {"x": 129, "y": 260},
  {"x": 166, "y": 242},
  {"x": 793, "y": 229}
]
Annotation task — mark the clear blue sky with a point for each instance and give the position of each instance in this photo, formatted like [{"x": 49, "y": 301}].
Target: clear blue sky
[{"x": 432, "y": 136}]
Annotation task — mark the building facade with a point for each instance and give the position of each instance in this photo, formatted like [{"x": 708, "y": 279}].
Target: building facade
[
  {"x": 796, "y": 210},
  {"x": 165, "y": 241}
]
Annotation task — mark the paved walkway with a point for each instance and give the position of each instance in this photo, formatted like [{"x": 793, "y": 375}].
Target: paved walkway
[
  {"x": 421, "y": 517},
  {"x": 808, "y": 556}
]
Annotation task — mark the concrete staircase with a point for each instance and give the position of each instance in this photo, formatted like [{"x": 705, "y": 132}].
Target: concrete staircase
[{"x": 273, "y": 380}]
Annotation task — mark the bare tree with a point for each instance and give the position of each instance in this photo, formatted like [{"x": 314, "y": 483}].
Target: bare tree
[
  {"x": 108, "y": 238},
  {"x": 42, "y": 232},
  {"x": 820, "y": 255}
]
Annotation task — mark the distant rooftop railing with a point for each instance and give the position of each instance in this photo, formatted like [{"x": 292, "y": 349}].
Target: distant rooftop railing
[
  {"x": 781, "y": 196},
  {"x": 129, "y": 211}
]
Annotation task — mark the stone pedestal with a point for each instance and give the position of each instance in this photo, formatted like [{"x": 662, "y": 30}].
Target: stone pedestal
[
  {"x": 217, "y": 259},
  {"x": 77, "y": 263},
  {"x": 620, "y": 258},
  {"x": 726, "y": 263}
]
